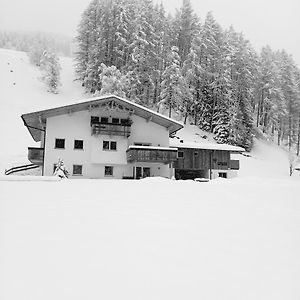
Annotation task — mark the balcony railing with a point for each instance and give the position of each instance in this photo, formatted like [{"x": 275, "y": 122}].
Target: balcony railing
[
  {"x": 234, "y": 164},
  {"x": 111, "y": 129},
  {"x": 36, "y": 155},
  {"x": 151, "y": 154}
]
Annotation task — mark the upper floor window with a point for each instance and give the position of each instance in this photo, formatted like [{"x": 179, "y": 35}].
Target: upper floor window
[
  {"x": 78, "y": 144},
  {"x": 109, "y": 145},
  {"x": 104, "y": 120},
  {"x": 115, "y": 120},
  {"x": 94, "y": 120},
  {"x": 60, "y": 143}
]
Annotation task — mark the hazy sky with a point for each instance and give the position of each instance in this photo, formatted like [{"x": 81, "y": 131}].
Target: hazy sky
[{"x": 276, "y": 22}]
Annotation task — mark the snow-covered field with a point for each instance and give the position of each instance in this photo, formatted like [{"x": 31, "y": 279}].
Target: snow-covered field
[{"x": 148, "y": 239}]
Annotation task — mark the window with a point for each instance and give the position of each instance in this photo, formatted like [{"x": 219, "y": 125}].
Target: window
[
  {"x": 222, "y": 163},
  {"x": 107, "y": 145},
  {"x": 77, "y": 169},
  {"x": 126, "y": 121},
  {"x": 78, "y": 144},
  {"x": 60, "y": 143},
  {"x": 108, "y": 171},
  {"x": 115, "y": 120},
  {"x": 196, "y": 153},
  {"x": 223, "y": 174},
  {"x": 113, "y": 145},
  {"x": 180, "y": 154},
  {"x": 142, "y": 172},
  {"x": 94, "y": 120},
  {"x": 104, "y": 120}
]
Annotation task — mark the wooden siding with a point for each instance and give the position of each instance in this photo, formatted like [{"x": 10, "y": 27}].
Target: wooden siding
[
  {"x": 200, "y": 159},
  {"x": 151, "y": 155}
]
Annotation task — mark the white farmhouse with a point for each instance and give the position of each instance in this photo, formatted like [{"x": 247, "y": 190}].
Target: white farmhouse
[{"x": 104, "y": 137}]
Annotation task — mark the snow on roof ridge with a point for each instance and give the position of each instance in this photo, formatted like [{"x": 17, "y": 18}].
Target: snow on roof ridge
[{"x": 109, "y": 96}]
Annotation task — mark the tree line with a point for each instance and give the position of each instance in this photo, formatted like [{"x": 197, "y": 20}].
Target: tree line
[{"x": 199, "y": 70}]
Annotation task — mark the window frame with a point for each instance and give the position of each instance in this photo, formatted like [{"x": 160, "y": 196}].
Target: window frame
[
  {"x": 109, "y": 145},
  {"x": 75, "y": 144},
  {"x": 104, "y": 120},
  {"x": 112, "y": 171},
  {"x": 178, "y": 156},
  {"x": 113, "y": 121},
  {"x": 59, "y": 139},
  {"x": 77, "y": 174},
  {"x": 222, "y": 175}
]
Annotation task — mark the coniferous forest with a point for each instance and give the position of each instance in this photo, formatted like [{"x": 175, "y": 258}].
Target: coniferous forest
[{"x": 209, "y": 75}]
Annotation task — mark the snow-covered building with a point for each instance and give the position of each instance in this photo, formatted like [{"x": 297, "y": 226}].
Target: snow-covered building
[
  {"x": 103, "y": 137},
  {"x": 111, "y": 137},
  {"x": 205, "y": 160}
]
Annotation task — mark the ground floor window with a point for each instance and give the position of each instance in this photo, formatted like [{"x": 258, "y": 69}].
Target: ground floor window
[
  {"x": 77, "y": 169},
  {"x": 108, "y": 171},
  {"x": 223, "y": 174},
  {"x": 141, "y": 172}
]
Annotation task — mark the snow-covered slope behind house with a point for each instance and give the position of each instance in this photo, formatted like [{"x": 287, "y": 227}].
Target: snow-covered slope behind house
[{"x": 21, "y": 91}]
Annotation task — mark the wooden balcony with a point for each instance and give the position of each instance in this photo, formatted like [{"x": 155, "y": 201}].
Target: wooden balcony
[
  {"x": 234, "y": 164},
  {"x": 36, "y": 155},
  {"x": 111, "y": 129},
  {"x": 151, "y": 154}
]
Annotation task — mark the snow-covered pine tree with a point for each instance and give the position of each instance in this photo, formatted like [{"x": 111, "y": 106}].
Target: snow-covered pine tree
[
  {"x": 191, "y": 87},
  {"x": 186, "y": 27},
  {"x": 50, "y": 69},
  {"x": 112, "y": 81},
  {"x": 170, "y": 93}
]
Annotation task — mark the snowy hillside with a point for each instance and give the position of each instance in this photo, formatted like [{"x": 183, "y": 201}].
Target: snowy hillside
[{"x": 21, "y": 91}]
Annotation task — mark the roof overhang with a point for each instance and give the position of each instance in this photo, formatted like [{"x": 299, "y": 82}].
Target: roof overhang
[{"x": 36, "y": 121}]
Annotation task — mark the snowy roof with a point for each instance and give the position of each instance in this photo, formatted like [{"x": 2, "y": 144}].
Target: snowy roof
[
  {"x": 152, "y": 148},
  {"x": 205, "y": 145},
  {"x": 34, "y": 120}
]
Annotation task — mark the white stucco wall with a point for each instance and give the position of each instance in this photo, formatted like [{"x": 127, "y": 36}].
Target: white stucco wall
[
  {"x": 143, "y": 131},
  {"x": 93, "y": 158}
]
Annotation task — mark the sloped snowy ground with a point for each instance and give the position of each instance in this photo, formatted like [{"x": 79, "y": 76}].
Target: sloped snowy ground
[
  {"x": 21, "y": 92},
  {"x": 150, "y": 239}
]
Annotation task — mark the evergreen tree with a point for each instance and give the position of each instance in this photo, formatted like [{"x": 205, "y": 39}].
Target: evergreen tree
[
  {"x": 50, "y": 71},
  {"x": 170, "y": 93},
  {"x": 112, "y": 81}
]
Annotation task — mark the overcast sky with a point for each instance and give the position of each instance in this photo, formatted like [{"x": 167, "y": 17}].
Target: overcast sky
[{"x": 276, "y": 22}]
